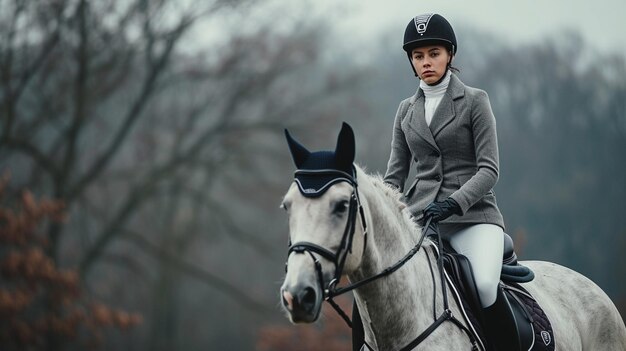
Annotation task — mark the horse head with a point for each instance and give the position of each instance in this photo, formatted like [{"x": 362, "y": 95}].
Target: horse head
[{"x": 325, "y": 233}]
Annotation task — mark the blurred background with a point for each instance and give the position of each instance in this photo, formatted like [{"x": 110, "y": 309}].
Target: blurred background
[{"x": 143, "y": 160}]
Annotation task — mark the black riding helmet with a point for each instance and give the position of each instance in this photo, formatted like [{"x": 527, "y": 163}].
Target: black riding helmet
[{"x": 428, "y": 29}]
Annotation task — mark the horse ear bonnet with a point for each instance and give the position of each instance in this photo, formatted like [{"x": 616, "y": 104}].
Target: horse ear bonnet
[{"x": 317, "y": 171}]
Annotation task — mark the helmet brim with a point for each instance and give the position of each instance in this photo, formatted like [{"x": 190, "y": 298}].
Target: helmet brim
[{"x": 410, "y": 46}]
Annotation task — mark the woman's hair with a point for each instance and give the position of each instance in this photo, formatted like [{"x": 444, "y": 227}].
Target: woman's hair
[{"x": 450, "y": 67}]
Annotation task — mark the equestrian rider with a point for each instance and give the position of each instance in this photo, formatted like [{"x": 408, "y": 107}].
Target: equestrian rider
[{"x": 448, "y": 131}]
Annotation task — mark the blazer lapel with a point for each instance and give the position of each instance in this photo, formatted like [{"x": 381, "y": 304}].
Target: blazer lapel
[
  {"x": 445, "y": 113},
  {"x": 417, "y": 120}
]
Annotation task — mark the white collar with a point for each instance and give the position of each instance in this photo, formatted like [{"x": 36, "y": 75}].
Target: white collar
[{"x": 436, "y": 90}]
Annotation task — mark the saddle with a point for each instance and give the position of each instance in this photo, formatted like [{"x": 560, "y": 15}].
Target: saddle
[{"x": 533, "y": 327}]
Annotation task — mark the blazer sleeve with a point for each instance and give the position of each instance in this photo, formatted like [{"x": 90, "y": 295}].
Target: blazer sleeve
[
  {"x": 483, "y": 125},
  {"x": 400, "y": 158}
]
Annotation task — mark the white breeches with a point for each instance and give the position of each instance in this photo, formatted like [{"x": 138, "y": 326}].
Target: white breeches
[{"x": 483, "y": 245}]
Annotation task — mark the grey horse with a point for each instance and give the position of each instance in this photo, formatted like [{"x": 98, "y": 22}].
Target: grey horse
[{"x": 398, "y": 307}]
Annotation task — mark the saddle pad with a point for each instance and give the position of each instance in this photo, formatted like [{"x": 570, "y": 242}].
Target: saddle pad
[
  {"x": 542, "y": 328},
  {"x": 544, "y": 335}
]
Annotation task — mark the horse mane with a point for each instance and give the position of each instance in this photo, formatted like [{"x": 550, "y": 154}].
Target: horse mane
[{"x": 392, "y": 199}]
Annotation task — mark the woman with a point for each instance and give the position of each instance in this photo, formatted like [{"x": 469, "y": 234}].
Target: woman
[{"x": 448, "y": 130}]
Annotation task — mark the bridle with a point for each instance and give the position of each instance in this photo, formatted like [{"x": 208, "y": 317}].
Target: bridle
[{"x": 338, "y": 258}]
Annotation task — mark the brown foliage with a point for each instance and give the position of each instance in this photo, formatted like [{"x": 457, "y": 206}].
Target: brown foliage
[
  {"x": 38, "y": 300},
  {"x": 329, "y": 334}
]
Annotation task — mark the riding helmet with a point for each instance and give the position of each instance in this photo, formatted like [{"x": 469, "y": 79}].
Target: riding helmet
[{"x": 429, "y": 29}]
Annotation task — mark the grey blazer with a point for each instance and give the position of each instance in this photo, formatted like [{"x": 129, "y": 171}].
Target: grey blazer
[{"x": 457, "y": 156}]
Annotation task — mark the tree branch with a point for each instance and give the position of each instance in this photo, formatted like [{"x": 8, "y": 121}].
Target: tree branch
[
  {"x": 137, "y": 196},
  {"x": 37, "y": 155},
  {"x": 8, "y": 101},
  {"x": 131, "y": 117},
  {"x": 230, "y": 224},
  {"x": 80, "y": 85},
  {"x": 204, "y": 276}
]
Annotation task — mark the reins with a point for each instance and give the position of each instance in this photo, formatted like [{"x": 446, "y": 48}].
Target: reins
[
  {"x": 339, "y": 257},
  {"x": 447, "y": 314},
  {"x": 386, "y": 271}
]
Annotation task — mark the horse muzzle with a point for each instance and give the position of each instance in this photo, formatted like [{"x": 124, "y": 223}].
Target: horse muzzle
[{"x": 302, "y": 303}]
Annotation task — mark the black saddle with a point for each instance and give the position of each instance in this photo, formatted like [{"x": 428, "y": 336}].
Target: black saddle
[
  {"x": 460, "y": 269},
  {"x": 531, "y": 322}
]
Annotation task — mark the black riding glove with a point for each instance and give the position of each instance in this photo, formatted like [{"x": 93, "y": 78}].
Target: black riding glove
[{"x": 440, "y": 210}]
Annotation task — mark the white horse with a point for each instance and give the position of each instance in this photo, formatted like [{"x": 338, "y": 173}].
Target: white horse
[{"x": 398, "y": 307}]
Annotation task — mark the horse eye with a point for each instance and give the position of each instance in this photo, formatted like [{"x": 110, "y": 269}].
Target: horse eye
[{"x": 340, "y": 207}]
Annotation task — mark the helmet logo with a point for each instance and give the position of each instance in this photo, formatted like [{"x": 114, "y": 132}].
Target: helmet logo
[{"x": 421, "y": 22}]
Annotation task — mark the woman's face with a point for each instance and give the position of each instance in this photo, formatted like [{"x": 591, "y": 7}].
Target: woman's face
[{"x": 430, "y": 62}]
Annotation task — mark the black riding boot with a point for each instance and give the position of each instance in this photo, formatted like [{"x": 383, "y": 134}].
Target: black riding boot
[{"x": 500, "y": 325}]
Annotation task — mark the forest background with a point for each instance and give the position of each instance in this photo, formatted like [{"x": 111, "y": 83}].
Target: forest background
[{"x": 143, "y": 157}]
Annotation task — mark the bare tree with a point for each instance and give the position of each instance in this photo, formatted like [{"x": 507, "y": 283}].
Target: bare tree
[
  {"x": 62, "y": 63},
  {"x": 141, "y": 140}
]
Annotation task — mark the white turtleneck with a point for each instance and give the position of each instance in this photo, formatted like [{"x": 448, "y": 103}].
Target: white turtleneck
[{"x": 433, "y": 95}]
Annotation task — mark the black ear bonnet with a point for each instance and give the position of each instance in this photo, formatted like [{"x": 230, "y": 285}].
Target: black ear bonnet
[{"x": 317, "y": 171}]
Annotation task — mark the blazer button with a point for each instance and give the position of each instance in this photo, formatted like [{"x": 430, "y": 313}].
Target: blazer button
[
  {"x": 436, "y": 153},
  {"x": 438, "y": 178}
]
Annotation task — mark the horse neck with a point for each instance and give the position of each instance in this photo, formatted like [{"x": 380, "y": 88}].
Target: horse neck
[{"x": 400, "y": 304}]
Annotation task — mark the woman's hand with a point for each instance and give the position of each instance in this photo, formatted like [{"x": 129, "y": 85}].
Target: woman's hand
[{"x": 440, "y": 210}]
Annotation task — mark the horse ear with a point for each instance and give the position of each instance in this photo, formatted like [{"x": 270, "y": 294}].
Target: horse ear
[
  {"x": 344, "y": 152},
  {"x": 298, "y": 152}
]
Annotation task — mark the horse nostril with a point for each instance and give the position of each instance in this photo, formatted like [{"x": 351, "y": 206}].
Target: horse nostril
[
  {"x": 287, "y": 300},
  {"x": 308, "y": 298}
]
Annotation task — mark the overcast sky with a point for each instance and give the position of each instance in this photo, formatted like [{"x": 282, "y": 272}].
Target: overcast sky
[{"x": 601, "y": 22}]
